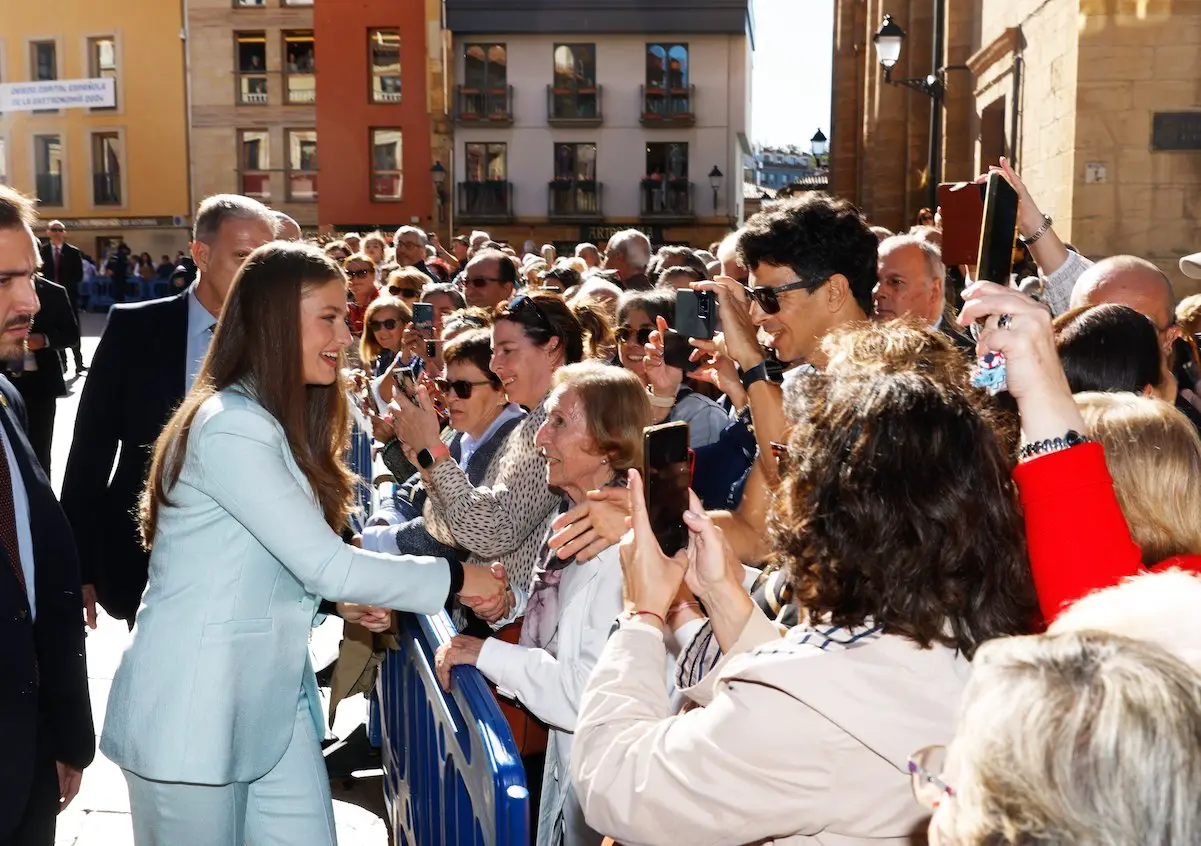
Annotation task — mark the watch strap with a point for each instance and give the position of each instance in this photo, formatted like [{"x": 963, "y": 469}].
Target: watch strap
[{"x": 758, "y": 373}]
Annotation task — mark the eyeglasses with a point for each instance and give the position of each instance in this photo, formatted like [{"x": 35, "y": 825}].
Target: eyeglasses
[
  {"x": 407, "y": 293},
  {"x": 481, "y": 281},
  {"x": 359, "y": 273},
  {"x": 641, "y": 335},
  {"x": 461, "y": 387},
  {"x": 376, "y": 325},
  {"x": 524, "y": 303},
  {"x": 409, "y": 244},
  {"x": 925, "y": 771},
  {"x": 768, "y": 298},
  {"x": 57, "y": 229}
]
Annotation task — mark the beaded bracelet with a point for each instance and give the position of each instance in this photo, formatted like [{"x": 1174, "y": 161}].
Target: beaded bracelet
[{"x": 1045, "y": 447}]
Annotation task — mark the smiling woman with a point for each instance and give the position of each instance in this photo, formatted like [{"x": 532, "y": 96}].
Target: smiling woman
[{"x": 247, "y": 496}]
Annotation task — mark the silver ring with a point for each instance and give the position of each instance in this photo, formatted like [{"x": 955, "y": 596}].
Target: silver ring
[{"x": 1004, "y": 321}]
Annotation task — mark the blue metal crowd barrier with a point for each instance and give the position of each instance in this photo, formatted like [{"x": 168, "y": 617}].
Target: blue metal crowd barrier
[{"x": 452, "y": 772}]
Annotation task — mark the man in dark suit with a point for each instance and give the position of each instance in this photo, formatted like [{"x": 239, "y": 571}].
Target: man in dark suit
[
  {"x": 910, "y": 276},
  {"x": 38, "y": 374},
  {"x": 147, "y": 358},
  {"x": 62, "y": 264},
  {"x": 45, "y": 712}
]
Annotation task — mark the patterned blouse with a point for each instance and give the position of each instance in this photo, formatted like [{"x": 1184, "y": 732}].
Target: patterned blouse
[{"x": 507, "y": 518}]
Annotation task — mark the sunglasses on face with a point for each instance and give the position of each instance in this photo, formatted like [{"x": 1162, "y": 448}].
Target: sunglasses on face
[
  {"x": 56, "y": 229},
  {"x": 461, "y": 387},
  {"x": 376, "y": 325},
  {"x": 407, "y": 293},
  {"x": 481, "y": 281},
  {"x": 768, "y": 298},
  {"x": 642, "y": 335},
  {"x": 359, "y": 273}
]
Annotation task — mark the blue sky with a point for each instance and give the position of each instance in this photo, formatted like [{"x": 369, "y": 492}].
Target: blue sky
[{"x": 790, "y": 95}]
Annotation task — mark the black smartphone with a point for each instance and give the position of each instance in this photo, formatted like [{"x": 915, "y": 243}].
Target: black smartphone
[
  {"x": 677, "y": 351},
  {"x": 423, "y": 319},
  {"x": 667, "y": 474},
  {"x": 696, "y": 314},
  {"x": 998, "y": 231}
]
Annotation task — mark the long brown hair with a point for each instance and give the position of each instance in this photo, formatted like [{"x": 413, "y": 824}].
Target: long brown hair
[{"x": 257, "y": 346}]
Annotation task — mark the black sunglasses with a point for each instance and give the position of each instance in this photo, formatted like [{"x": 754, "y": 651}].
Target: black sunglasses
[
  {"x": 360, "y": 273},
  {"x": 624, "y": 333},
  {"x": 57, "y": 229},
  {"x": 376, "y": 325},
  {"x": 481, "y": 281},
  {"x": 768, "y": 299},
  {"x": 407, "y": 293},
  {"x": 461, "y": 387}
]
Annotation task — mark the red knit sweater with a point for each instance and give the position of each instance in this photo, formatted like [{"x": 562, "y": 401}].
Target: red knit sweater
[{"x": 1077, "y": 536}]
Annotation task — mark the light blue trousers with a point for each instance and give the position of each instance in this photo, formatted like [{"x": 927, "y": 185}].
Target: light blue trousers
[{"x": 289, "y": 806}]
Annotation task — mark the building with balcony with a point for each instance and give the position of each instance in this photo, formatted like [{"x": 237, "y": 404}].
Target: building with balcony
[
  {"x": 113, "y": 172},
  {"x": 576, "y": 120},
  {"x": 252, "y": 97},
  {"x": 381, "y": 114}
]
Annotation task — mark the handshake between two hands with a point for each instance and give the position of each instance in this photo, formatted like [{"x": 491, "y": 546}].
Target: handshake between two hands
[{"x": 485, "y": 591}]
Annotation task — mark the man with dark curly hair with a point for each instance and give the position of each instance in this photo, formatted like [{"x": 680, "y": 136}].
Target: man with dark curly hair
[{"x": 812, "y": 263}]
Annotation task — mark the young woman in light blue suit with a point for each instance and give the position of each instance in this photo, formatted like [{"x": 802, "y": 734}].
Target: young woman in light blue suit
[{"x": 213, "y": 713}]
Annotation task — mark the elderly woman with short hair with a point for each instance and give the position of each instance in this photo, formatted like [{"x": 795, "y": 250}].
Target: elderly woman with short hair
[
  {"x": 591, "y": 437},
  {"x": 1066, "y": 740}
]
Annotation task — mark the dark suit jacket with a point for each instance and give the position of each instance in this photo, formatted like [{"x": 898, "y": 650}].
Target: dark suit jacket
[
  {"x": 57, "y": 322},
  {"x": 958, "y": 338},
  {"x": 42, "y": 667},
  {"x": 70, "y": 267},
  {"x": 136, "y": 381}
]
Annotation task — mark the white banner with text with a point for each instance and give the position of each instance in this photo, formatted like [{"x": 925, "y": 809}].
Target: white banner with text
[{"x": 58, "y": 94}]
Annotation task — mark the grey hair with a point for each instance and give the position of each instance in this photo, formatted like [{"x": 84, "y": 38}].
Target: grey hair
[
  {"x": 422, "y": 238},
  {"x": 634, "y": 245},
  {"x": 219, "y": 208},
  {"x": 581, "y": 249},
  {"x": 930, "y": 252},
  {"x": 1080, "y": 737}
]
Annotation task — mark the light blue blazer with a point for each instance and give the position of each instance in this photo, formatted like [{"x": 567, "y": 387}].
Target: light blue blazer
[{"x": 207, "y": 691}]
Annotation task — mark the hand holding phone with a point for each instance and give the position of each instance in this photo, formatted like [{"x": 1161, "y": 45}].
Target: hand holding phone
[
  {"x": 667, "y": 471},
  {"x": 696, "y": 314}
]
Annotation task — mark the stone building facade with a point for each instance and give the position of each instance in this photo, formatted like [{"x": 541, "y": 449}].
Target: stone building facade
[{"x": 1099, "y": 103}]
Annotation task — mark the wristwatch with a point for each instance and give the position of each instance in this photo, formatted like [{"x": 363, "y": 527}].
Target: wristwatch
[
  {"x": 427, "y": 459},
  {"x": 1042, "y": 230},
  {"x": 758, "y": 373}
]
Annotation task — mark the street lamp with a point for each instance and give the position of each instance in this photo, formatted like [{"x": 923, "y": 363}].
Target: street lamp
[
  {"x": 889, "y": 40},
  {"x": 438, "y": 174},
  {"x": 715, "y": 178},
  {"x": 819, "y": 145},
  {"x": 888, "y": 43}
]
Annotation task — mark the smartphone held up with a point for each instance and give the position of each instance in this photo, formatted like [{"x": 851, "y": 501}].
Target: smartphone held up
[{"x": 667, "y": 475}]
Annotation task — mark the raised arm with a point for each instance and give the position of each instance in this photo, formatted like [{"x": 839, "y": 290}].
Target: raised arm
[{"x": 1077, "y": 536}]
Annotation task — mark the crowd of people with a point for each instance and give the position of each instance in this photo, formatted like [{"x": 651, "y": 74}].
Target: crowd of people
[{"x": 909, "y": 608}]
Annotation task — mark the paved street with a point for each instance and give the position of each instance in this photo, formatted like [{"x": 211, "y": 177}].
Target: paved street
[{"x": 99, "y": 816}]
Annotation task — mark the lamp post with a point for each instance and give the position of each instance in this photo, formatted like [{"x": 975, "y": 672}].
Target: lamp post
[
  {"x": 889, "y": 40},
  {"x": 715, "y": 178},
  {"x": 819, "y": 145},
  {"x": 438, "y": 174}
]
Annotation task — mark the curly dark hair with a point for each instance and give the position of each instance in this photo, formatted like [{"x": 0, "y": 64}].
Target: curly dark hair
[
  {"x": 1108, "y": 348},
  {"x": 817, "y": 236},
  {"x": 897, "y": 508}
]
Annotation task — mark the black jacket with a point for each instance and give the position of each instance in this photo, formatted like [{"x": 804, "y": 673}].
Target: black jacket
[
  {"x": 56, "y": 320},
  {"x": 70, "y": 267},
  {"x": 42, "y": 665},
  {"x": 136, "y": 381}
]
